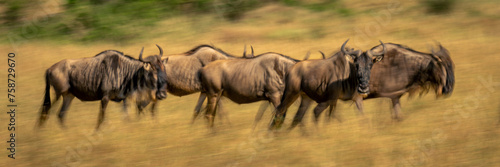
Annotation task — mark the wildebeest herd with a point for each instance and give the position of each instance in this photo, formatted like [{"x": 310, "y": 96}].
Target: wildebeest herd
[{"x": 387, "y": 70}]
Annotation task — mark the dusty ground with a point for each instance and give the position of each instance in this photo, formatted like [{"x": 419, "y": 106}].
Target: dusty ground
[{"x": 462, "y": 130}]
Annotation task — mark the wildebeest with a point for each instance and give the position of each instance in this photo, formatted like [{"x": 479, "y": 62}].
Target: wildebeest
[
  {"x": 182, "y": 72},
  {"x": 245, "y": 80},
  {"x": 404, "y": 70},
  {"x": 326, "y": 80},
  {"x": 110, "y": 75}
]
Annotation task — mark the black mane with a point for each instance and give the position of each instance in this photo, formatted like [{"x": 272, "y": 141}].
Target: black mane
[
  {"x": 411, "y": 50},
  {"x": 121, "y": 53},
  {"x": 282, "y": 55},
  {"x": 192, "y": 51},
  {"x": 405, "y": 47}
]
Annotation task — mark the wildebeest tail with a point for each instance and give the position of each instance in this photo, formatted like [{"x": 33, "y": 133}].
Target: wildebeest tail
[{"x": 46, "y": 100}]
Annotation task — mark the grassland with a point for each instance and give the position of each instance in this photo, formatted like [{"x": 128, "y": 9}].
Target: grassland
[{"x": 462, "y": 130}]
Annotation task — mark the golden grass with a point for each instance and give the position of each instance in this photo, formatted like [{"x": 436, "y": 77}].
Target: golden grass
[{"x": 461, "y": 130}]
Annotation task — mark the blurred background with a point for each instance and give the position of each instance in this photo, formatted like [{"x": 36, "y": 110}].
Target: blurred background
[{"x": 461, "y": 130}]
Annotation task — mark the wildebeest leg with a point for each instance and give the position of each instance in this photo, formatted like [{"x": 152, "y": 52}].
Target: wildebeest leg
[
  {"x": 45, "y": 111},
  {"x": 397, "y": 109},
  {"x": 140, "y": 108},
  {"x": 104, "y": 104},
  {"x": 331, "y": 112},
  {"x": 125, "y": 110},
  {"x": 305, "y": 102},
  {"x": 212, "y": 100},
  {"x": 67, "y": 98},
  {"x": 220, "y": 110},
  {"x": 260, "y": 112},
  {"x": 359, "y": 104},
  {"x": 280, "y": 114},
  {"x": 275, "y": 99},
  {"x": 217, "y": 105},
  {"x": 319, "y": 109},
  {"x": 60, "y": 85},
  {"x": 153, "y": 109},
  {"x": 197, "y": 109}
]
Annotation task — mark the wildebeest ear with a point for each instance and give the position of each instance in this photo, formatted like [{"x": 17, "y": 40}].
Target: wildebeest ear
[
  {"x": 147, "y": 66},
  {"x": 349, "y": 57},
  {"x": 378, "y": 58},
  {"x": 161, "y": 63},
  {"x": 353, "y": 54}
]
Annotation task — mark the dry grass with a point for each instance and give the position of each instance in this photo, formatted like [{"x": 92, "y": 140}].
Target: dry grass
[{"x": 461, "y": 130}]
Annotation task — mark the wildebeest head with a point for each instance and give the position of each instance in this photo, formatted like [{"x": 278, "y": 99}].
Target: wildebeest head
[
  {"x": 158, "y": 69},
  {"x": 443, "y": 55},
  {"x": 364, "y": 62}
]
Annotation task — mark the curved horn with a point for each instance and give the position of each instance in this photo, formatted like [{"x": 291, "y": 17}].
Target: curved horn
[
  {"x": 251, "y": 47},
  {"x": 379, "y": 54},
  {"x": 140, "y": 54},
  {"x": 307, "y": 55},
  {"x": 161, "y": 50},
  {"x": 343, "y": 48},
  {"x": 322, "y": 54}
]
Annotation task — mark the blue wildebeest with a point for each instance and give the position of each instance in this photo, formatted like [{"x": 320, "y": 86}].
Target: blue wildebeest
[
  {"x": 245, "y": 80},
  {"x": 182, "y": 72},
  {"x": 404, "y": 70},
  {"x": 109, "y": 75},
  {"x": 326, "y": 80}
]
